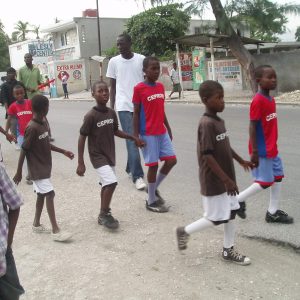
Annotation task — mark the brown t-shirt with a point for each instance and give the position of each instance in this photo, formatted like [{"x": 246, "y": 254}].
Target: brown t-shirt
[
  {"x": 38, "y": 150},
  {"x": 213, "y": 140},
  {"x": 100, "y": 126}
]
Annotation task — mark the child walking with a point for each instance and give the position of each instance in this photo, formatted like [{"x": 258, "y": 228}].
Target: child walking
[
  {"x": 268, "y": 171},
  {"x": 22, "y": 111},
  {"x": 100, "y": 125},
  {"x": 151, "y": 124},
  {"x": 217, "y": 175},
  {"x": 37, "y": 149}
]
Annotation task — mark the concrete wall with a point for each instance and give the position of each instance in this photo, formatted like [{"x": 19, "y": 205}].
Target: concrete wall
[{"x": 287, "y": 66}]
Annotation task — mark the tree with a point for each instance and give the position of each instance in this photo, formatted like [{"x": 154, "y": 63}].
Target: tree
[
  {"x": 36, "y": 31},
  {"x": 22, "y": 28},
  {"x": 154, "y": 30},
  {"x": 266, "y": 19},
  {"x": 4, "y": 53},
  {"x": 297, "y": 34},
  {"x": 234, "y": 42}
]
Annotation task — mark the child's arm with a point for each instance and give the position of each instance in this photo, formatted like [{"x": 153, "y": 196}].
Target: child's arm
[
  {"x": 9, "y": 137},
  {"x": 18, "y": 177},
  {"x": 81, "y": 166},
  {"x": 124, "y": 135},
  {"x": 252, "y": 134},
  {"x": 244, "y": 163},
  {"x": 13, "y": 216},
  {"x": 166, "y": 122},
  {"x": 62, "y": 151},
  {"x": 230, "y": 185}
]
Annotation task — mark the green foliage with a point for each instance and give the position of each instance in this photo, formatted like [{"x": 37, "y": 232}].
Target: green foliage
[
  {"x": 111, "y": 52},
  {"x": 4, "y": 53},
  {"x": 266, "y": 19},
  {"x": 154, "y": 30},
  {"x": 22, "y": 28},
  {"x": 297, "y": 34}
]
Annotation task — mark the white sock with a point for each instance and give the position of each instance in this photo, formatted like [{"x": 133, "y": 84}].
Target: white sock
[
  {"x": 151, "y": 192},
  {"x": 250, "y": 191},
  {"x": 198, "y": 225},
  {"x": 274, "y": 197},
  {"x": 229, "y": 233}
]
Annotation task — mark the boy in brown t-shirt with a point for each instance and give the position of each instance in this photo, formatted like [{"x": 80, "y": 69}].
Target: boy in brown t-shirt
[
  {"x": 217, "y": 176},
  {"x": 100, "y": 125},
  {"x": 37, "y": 149}
]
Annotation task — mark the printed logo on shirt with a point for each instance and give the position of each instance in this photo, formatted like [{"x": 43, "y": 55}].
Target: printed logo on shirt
[
  {"x": 44, "y": 135},
  {"x": 25, "y": 112},
  {"x": 155, "y": 96},
  {"x": 271, "y": 117},
  {"x": 105, "y": 122},
  {"x": 222, "y": 136}
]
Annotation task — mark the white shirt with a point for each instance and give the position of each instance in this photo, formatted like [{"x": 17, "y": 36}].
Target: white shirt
[
  {"x": 175, "y": 76},
  {"x": 128, "y": 73}
]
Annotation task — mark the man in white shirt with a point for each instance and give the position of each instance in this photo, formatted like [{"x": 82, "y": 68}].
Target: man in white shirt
[{"x": 125, "y": 71}]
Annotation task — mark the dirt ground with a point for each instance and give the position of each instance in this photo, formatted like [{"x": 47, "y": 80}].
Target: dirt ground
[{"x": 141, "y": 260}]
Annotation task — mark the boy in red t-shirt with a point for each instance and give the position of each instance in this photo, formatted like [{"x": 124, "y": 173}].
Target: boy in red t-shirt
[
  {"x": 268, "y": 171},
  {"x": 20, "y": 109},
  {"x": 151, "y": 124}
]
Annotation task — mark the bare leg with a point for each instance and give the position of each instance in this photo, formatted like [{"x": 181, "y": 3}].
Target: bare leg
[
  {"x": 106, "y": 196},
  {"x": 167, "y": 166},
  {"x": 38, "y": 209},
  {"x": 51, "y": 211}
]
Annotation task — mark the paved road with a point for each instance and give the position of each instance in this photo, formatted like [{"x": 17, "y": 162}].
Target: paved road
[{"x": 182, "y": 187}]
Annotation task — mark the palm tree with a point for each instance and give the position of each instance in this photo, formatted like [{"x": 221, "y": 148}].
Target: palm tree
[
  {"x": 36, "y": 30},
  {"x": 21, "y": 30}
]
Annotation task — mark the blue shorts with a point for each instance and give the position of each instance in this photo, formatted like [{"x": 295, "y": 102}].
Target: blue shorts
[
  {"x": 158, "y": 147},
  {"x": 268, "y": 170}
]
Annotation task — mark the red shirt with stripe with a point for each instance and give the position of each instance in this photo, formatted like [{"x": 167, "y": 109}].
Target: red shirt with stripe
[
  {"x": 152, "y": 111},
  {"x": 263, "y": 111}
]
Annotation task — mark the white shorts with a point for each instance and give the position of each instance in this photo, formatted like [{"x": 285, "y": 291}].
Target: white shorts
[
  {"x": 107, "y": 175},
  {"x": 218, "y": 208},
  {"x": 42, "y": 186}
]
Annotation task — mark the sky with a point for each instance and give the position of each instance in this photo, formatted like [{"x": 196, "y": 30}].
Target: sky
[{"x": 41, "y": 13}]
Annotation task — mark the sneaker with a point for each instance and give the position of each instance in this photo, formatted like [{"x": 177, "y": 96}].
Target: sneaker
[
  {"x": 229, "y": 254},
  {"x": 140, "y": 184},
  {"x": 40, "y": 229},
  {"x": 279, "y": 217},
  {"x": 182, "y": 238},
  {"x": 155, "y": 207},
  {"x": 159, "y": 199},
  {"x": 61, "y": 236},
  {"x": 108, "y": 220},
  {"x": 241, "y": 212}
]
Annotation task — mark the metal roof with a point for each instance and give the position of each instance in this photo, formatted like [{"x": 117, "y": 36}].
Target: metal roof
[{"x": 219, "y": 40}]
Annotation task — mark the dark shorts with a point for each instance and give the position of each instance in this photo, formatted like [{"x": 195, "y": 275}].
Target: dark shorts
[
  {"x": 65, "y": 88},
  {"x": 177, "y": 87},
  {"x": 10, "y": 287}
]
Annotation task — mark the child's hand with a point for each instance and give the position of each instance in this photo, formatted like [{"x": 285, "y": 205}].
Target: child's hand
[
  {"x": 17, "y": 178},
  {"x": 231, "y": 187},
  {"x": 80, "y": 169},
  {"x": 247, "y": 165},
  {"x": 11, "y": 138},
  {"x": 254, "y": 159},
  {"x": 69, "y": 154},
  {"x": 139, "y": 143}
]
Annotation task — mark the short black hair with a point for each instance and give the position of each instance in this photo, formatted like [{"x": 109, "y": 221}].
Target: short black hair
[
  {"x": 11, "y": 70},
  {"x": 208, "y": 88},
  {"x": 259, "y": 71},
  {"x": 147, "y": 60},
  {"x": 18, "y": 86},
  {"x": 125, "y": 36},
  {"x": 39, "y": 103},
  {"x": 98, "y": 82}
]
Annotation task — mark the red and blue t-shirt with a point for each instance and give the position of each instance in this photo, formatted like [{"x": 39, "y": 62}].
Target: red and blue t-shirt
[
  {"x": 263, "y": 110},
  {"x": 152, "y": 112},
  {"x": 23, "y": 113}
]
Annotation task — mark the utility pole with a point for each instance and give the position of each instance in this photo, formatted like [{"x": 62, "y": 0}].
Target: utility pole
[{"x": 98, "y": 28}]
